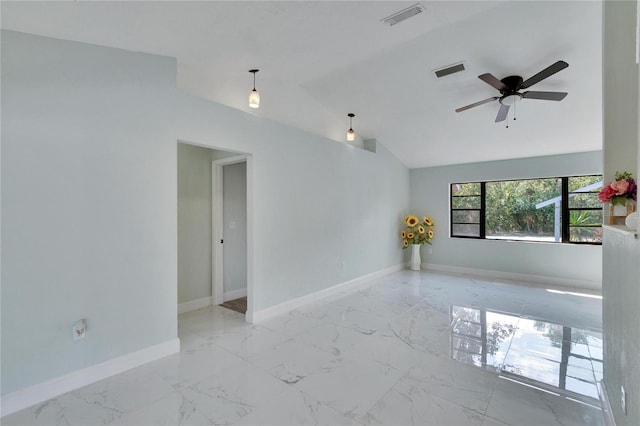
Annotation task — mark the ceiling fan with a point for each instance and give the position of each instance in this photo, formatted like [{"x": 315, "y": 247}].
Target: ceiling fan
[{"x": 511, "y": 86}]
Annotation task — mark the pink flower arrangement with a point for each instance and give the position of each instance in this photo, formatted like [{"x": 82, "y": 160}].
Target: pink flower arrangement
[{"x": 624, "y": 187}]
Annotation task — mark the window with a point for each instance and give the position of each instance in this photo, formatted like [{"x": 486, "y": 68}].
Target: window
[
  {"x": 584, "y": 210},
  {"x": 466, "y": 209},
  {"x": 564, "y": 209}
]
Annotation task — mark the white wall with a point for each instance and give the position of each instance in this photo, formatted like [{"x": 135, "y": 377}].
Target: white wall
[
  {"x": 194, "y": 223},
  {"x": 89, "y": 205},
  {"x": 620, "y": 88},
  {"x": 317, "y": 203},
  {"x": 568, "y": 264},
  {"x": 621, "y": 268}
]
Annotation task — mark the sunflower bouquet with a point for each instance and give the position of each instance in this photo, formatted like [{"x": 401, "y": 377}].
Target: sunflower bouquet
[{"x": 416, "y": 232}]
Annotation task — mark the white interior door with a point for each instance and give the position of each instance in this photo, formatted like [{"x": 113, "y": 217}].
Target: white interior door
[{"x": 234, "y": 220}]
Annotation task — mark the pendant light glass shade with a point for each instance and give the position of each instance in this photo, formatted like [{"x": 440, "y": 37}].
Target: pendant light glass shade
[
  {"x": 351, "y": 135},
  {"x": 254, "y": 95},
  {"x": 254, "y": 99}
]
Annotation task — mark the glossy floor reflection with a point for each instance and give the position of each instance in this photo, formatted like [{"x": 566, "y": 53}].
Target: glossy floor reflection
[
  {"x": 412, "y": 348},
  {"x": 540, "y": 353}
]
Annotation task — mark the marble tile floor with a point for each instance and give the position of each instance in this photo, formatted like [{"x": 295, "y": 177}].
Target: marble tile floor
[{"x": 411, "y": 348}]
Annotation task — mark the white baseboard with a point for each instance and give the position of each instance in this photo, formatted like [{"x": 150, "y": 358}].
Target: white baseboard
[
  {"x": 607, "y": 413},
  {"x": 41, "y": 392},
  {"x": 536, "y": 280},
  {"x": 290, "y": 305},
  {"x": 234, "y": 294},
  {"x": 193, "y": 305}
]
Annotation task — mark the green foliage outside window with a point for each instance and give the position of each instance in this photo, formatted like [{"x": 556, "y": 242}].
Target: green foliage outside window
[{"x": 511, "y": 207}]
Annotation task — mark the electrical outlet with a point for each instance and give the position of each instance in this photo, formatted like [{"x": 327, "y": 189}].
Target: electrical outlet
[
  {"x": 79, "y": 330},
  {"x": 623, "y": 400}
]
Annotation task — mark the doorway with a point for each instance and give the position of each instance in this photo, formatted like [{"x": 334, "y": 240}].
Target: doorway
[
  {"x": 200, "y": 203},
  {"x": 231, "y": 202}
]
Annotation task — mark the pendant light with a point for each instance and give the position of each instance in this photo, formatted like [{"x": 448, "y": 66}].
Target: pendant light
[
  {"x": 254, "y": 95},
  {"x": 351, "y": 135}
]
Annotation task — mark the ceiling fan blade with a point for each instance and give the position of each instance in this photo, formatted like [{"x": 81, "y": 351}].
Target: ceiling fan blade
[
  {"x": 491, "y": 80},
  {"x": 546, "y": 96},
  {"x": 502, "y": 113},
  {"x": 484, "y": 101},
  {"x": 547, "y": 72}
]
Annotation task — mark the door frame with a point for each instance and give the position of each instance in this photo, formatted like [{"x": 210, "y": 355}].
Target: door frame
[{"x": 217, "y": 290}]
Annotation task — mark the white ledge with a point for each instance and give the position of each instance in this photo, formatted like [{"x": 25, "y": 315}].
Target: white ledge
[{"x": 622, "y": 229}]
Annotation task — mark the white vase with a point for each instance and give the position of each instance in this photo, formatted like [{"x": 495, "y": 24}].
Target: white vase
[
  {"x": 415, "y": 257},
  {"x": 619, "y": 210}
]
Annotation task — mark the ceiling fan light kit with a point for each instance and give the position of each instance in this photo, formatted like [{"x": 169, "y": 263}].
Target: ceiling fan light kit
[
  {"x": 510, "y": 90},
  {"x": 510, "y": 99}
]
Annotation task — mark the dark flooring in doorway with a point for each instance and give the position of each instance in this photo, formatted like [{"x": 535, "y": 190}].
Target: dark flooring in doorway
[{"x": 238, "y": 305}]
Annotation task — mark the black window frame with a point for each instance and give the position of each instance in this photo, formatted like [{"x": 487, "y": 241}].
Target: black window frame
[
  {"x": 481, "y": 211},
  {"x": 564, "y": 206},
  {"x": 567, "y": 209}
]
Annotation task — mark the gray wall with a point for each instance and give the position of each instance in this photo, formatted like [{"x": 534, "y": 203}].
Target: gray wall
[
  {"x": 621, "y": 253},
  {"x": 317, "y": 203},
  {"x": 430, "y": 195},
  {"x": 234, "y": 220},
  {"x": 194, "y": 223},
  {"x": 89, "y": 204}
]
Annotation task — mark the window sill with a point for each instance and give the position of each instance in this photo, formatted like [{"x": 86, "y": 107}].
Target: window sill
[
  {"x": 622, "y": 229},
  {"x": 553, "y": 243}
]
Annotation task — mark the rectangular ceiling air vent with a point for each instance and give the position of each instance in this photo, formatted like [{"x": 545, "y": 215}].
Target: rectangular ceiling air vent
[
  {"x": 449, "y": 69},
  {"x": 404, "y": 14}
]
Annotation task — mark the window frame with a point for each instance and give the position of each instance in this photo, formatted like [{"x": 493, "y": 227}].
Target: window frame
[
  {"x": 565, "y": 229},
  {"x": 481, "y": 211},
  {"x": 567, "y": 209}
]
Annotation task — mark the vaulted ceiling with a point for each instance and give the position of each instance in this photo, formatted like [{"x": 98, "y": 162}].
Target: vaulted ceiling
[{"x": 320, "y": 60}]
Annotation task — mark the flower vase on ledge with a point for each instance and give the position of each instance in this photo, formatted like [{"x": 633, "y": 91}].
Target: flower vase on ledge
[
  {"x": 415, "y": 257},
  {"x": 619, "y": 209},
  {"x": 621, "y": 195}
]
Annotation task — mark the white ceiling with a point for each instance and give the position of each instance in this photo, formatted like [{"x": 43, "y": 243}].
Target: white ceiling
[{"x": 320, "y": 60}]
